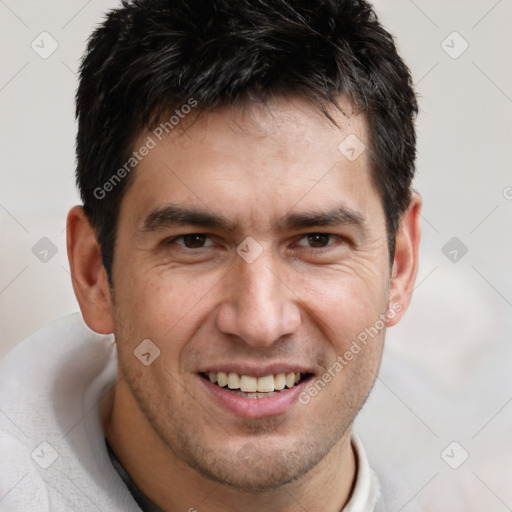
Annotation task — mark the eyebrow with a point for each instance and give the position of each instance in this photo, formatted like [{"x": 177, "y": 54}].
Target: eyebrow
[
  {"x": 338, "y": 216},
  {"x": 172, "y": 215}
]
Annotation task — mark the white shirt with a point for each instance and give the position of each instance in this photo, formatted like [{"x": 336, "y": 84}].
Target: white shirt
[{"x": 53, "y": 452}]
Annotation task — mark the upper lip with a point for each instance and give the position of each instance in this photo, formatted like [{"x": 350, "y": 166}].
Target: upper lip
[{"x": 257, "y": 370}]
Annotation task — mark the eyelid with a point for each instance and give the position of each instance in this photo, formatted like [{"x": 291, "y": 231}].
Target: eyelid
[
  {"x": 338, "y": 238},
  {"x": 173, "y": 240}
]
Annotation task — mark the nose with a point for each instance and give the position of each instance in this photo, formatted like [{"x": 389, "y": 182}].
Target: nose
[{"x": 259, "y": 307}]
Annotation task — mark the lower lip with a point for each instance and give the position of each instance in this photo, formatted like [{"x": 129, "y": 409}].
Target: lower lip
[{"x": 254, "y": 407}]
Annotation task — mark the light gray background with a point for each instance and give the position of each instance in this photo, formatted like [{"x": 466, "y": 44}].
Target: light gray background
[{"x": 454, "y": 343}]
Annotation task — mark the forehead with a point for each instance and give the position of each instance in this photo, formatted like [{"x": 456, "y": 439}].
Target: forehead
[{"x": 255, "y": 164}]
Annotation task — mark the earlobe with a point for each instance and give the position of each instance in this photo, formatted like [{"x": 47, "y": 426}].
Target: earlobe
[
  {"x": 88, "y": 275},
  {"x": 405, "y": 264}
]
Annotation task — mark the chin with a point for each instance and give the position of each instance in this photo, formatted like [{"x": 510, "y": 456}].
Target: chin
[{"x": 255, "y": 466}]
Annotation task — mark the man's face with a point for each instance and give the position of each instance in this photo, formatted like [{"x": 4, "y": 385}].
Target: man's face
[{"x": 291, "y": 299}]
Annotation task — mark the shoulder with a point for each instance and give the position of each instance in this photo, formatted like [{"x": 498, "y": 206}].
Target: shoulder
[{"x": 53, "y": 451}]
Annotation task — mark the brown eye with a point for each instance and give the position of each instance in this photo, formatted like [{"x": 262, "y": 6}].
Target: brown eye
[
  {"x": 316, "y": 240},
  {"x": 192, "y": 240}
]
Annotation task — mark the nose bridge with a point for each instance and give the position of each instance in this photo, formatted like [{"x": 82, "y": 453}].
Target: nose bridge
[
  {"x": 259, "y": 293},
  {"x": 259, "y": 308}
]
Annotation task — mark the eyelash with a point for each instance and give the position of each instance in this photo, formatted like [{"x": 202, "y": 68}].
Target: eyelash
[{"x": 174, "y": 239}]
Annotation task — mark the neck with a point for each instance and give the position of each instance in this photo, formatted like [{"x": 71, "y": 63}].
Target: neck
[{"x": 173, "y": 485}]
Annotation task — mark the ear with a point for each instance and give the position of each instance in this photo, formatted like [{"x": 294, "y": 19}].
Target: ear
[
  {"x": 405, "y": 264},
  {"x": 88, "y": 275}
]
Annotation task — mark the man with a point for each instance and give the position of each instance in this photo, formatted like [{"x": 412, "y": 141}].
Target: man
[{"x": 248, "y": 232}]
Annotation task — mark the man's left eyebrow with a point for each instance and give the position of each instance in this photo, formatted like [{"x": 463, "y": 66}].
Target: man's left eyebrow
[
  {"x": 172, "y": 215},
  {"x": 337, "y": 216}
]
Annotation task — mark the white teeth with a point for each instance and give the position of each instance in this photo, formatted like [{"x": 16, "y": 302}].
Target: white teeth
[
  {"x": 222, "y": 379},
  {"x": 233, "y": 381},
  {"x": 250, "y": 384},
  {"x": 279, "y": 381},
  {"x": 266, "y": 384}
]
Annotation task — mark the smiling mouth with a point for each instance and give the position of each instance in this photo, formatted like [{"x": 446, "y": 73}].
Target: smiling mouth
[{"x": 256, "y": 387}]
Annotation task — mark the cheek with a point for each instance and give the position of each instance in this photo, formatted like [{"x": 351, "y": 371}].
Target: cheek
[
  {"x": 165, "y": 307},
  {"x": 160, "y": 297},
  {"x": 349, "y": 314},
  {"x": 345, "y": 304}
]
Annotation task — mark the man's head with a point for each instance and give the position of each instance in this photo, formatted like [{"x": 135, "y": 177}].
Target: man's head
[
  {"x": 151, "y": 58},
  {"x": 266, "y": 226}
]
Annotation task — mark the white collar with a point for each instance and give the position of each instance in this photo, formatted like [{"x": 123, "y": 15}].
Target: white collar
[{"x": 366, "y": 491}]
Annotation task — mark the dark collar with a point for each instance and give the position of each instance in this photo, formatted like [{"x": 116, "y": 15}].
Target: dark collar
[{"x": 142, "y": 500}]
